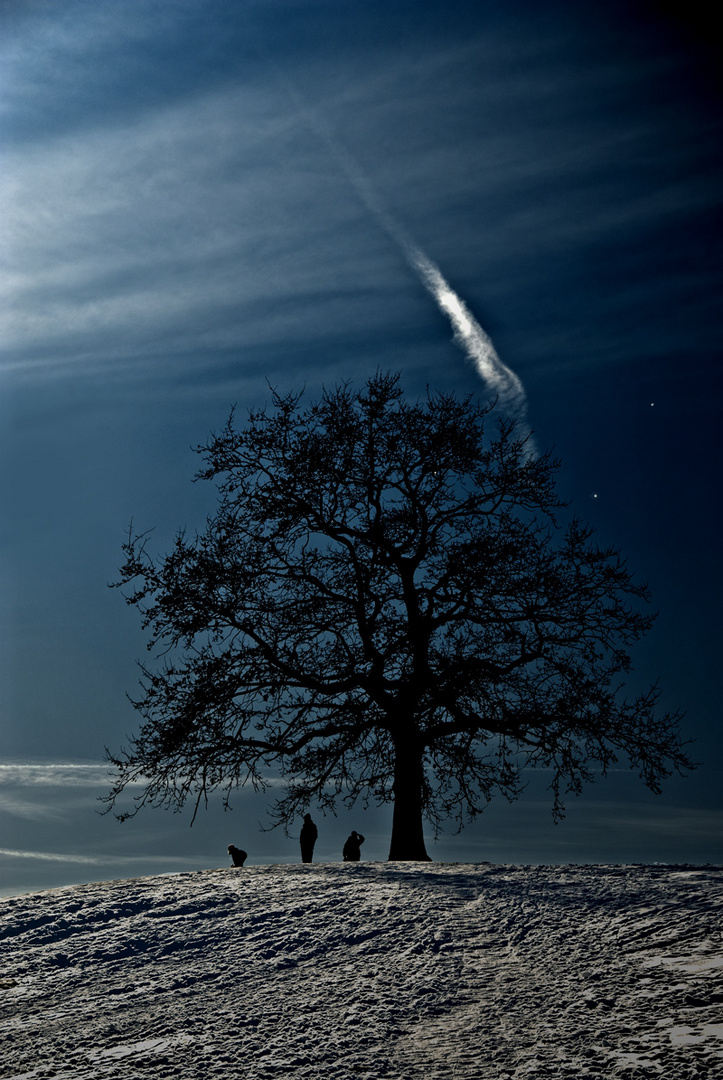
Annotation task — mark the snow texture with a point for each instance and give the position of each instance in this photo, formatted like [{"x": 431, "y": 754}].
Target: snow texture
[{"x": 375, "y": 970}]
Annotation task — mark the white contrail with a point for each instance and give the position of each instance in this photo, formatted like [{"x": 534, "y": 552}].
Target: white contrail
[{"x": 501, "y": 382}]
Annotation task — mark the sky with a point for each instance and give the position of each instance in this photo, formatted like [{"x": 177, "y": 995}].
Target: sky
[{"x": 200, "y": 200}]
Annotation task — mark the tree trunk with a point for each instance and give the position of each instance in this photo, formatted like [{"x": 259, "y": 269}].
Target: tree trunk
[{"x": 407, "y": 843}]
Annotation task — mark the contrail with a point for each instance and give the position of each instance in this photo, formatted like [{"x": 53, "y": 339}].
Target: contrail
[
  {"x": 501, "y": 382},
  {"x": 471, "y": 338}
]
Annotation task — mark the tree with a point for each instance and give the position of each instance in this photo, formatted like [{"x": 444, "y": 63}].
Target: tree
[{"x": 385, "y": 605}]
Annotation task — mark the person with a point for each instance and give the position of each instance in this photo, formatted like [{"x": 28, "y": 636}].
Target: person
[
  {"x": 307, "y": 838},
  {"x": 352, "y": 847},
  {"x": 238, "y": 856}
]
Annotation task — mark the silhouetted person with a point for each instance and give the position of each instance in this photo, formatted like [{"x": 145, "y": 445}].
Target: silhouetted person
[
  {"x": 307, "y": 838},
  {"x": 352, "y": 847},
  {"x": 239, "y": 857}
]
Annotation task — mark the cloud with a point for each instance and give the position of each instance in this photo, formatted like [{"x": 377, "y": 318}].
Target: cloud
[
  {"x": 100, "y": 860},
  {"x": 51, "y": 774},
  {"x": 181, "y": 230},
  {"x": 47, "y": 856},
  {"x": 29, "y": 810},
  {"x": 205, "y": 218},
  {"x": 49, "y": 792},
  {"x": 668, "y": 822},
  {"x": 65, "y": 779}
]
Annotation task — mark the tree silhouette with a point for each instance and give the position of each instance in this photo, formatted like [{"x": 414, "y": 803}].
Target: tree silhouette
[{"x": 385, "y": 605}]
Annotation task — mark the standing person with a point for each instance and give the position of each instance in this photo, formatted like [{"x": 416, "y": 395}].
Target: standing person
[
  {"x": 352, "y": 847},
  {"x": 307, "y": 838}
]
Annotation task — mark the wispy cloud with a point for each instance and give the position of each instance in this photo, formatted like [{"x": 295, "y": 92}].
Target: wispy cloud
[
  {"x": 171, "y": 232},
  {"x": 67, "y": 776},
  {"x": 49, "y": 792},
  {"x": 47, "y": 856},
  {"x": 674, "y": 822},
  {"x": 207, "y": 219},
  {"x": 33, "y": 805},
  {"x": 52, "y": 774},
  {"x": 101, "y": 860}
]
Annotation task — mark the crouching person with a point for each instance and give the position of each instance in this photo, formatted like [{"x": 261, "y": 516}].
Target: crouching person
[
  {"x": 238, "y": 856},
  {"x": 351, "y": 851}
]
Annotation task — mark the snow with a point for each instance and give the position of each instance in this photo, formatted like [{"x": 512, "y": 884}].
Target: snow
[{"x": 368, "y": 971}]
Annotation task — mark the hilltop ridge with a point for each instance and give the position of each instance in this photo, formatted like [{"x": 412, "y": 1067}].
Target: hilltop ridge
[{"x": 369, "y": 970}]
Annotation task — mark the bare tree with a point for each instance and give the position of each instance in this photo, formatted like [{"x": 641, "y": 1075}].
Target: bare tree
[{"x": 385, "y": 605}]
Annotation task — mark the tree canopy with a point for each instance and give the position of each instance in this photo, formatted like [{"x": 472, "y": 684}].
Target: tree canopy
[{"x": 386, "y": 604}]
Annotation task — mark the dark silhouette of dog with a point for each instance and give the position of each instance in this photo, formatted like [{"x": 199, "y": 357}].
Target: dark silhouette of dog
[
  {"x": 351, "y": 852},
  {"x": 307, "y": 838},
  {"x": 238, "y": 856}
]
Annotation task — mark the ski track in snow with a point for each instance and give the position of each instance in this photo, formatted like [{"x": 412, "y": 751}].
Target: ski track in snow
[{"x": 369, "y": 971}]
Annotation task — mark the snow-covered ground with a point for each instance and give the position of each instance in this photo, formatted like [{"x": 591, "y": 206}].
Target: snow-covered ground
[{"x": 369, "y": 970}]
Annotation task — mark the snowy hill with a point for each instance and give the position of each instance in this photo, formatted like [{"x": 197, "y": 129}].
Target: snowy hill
[{"x": 369, "y": 971}]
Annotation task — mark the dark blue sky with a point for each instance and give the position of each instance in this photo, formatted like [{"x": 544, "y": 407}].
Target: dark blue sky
[{"x": 178, "y": 228}]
